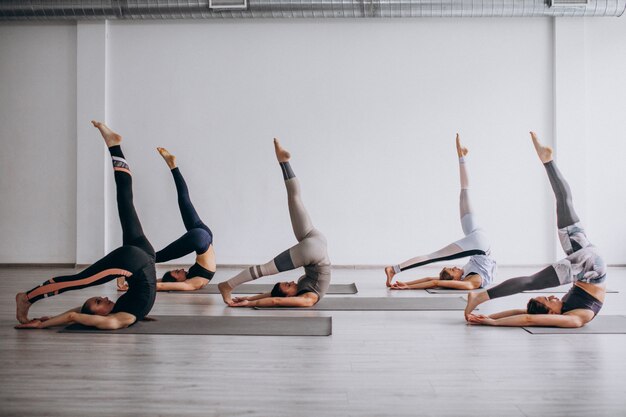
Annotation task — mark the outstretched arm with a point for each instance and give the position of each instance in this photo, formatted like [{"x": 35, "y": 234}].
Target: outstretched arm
[
  {"x": 305, "y": 300},
  {"x": 469, "y": 284},
  {"x": 110, "y": 322},
  {"x": 572, "y": 319},
  {"x": 416, "y": 281},
  {"x": 252, "y": 297},
  {"x": 507, "y": 313},
  {"x": 191, "y": 284},
  {"x": 421, "y": 284}
]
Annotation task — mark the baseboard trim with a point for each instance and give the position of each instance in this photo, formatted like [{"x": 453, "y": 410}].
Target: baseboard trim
[{"x": 37, "y": 265}]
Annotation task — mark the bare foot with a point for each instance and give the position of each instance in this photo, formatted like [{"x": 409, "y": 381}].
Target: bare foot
[
  {"x": 474, "y": 299},
  {"x": 170, "y": 159},
  {"x": 110, "y": 137},
  {"x": 22, "y": 306},
  {"x": 544, "y": 152},
  {"x": 460, "y": 150},
  {"x": 281, "y": 154},
  {"x": 225, "y": 290},
  {"x": 390, "y": 273}
]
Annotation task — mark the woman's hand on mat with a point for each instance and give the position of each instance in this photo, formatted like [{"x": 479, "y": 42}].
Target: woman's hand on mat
[
  {"x": 242, "y": 303},
  {"x": 399, "y": 285},
  {"x": 481, "y": 319},
  {"x": 42, "y": 319},
  {"x": 240, "y": 299},
  {"x": 33, "y": 324}
]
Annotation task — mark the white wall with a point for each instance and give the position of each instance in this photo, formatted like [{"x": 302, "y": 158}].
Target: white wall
[
  {"x": 38, "y": 139},
  {"x": 606, "y": 134},
  {"x": 369, "y": 109}
]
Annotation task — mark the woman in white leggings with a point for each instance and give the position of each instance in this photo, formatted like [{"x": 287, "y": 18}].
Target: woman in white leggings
[{"x": 479, "y": 270}]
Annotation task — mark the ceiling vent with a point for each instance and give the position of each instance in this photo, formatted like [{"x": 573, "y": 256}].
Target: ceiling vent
[
  {"x": 228, "y": 4},
  {"x": 568, "y": 3}
]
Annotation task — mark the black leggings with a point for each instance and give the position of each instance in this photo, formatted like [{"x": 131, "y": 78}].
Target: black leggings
[
  {"x": 198, "y": 237},
  {"x": 132, "y": 258}
]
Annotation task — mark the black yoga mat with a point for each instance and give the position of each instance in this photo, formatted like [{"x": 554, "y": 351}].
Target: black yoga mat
[
  {"x": 263, "y": 288},
  {"x": 382, "y": 304},
  {"x": 599, "y": 325},
  {"x": 221, "y": 325}
]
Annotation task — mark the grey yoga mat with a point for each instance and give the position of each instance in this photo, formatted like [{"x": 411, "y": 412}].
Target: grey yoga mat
[
  {"x": 599, "y": 325},
  {"x": 221, "y": 325},
  {"x": 555, "y": 290},
  {"x": 559, "y": 290},
  {"x": 384, "y": 303},
  {"x": 451, "y": 291},
  {"x": 262, "y": 288}
]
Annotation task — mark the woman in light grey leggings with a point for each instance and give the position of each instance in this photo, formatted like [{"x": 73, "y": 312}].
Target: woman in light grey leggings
[
  {"x": 310, "y": 252},
  {"x": 583, "y": 266},
  {"x": 479, "y": 270}
]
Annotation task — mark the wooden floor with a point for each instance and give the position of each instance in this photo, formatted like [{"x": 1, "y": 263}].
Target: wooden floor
[{"x": 375, "y": 363}]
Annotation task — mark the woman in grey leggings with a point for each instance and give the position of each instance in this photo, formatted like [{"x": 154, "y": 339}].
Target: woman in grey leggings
[
  {"x": 310, "y": 252},
  {"x": 479, "y": 270},
  {"x": 583, "y": 266}
]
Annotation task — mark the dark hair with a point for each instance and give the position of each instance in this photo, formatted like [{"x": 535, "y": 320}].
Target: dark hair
[
  {"x": 167, "y": 277},
  {"x": 535, "y": 307},
  {"x": 444, "y": 275},
  {"x": 277, "y": 292},
  {"x": 85, "y": 309}
]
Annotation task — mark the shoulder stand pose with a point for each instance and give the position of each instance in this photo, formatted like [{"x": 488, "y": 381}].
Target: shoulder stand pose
[
  {"x": 198, "y": 238},
  {"x": 310, "y": 252},
  {"x": 134, "y": 261},
  {"x": 479, "y": 270},
  {"x": 583, "y": 266}
]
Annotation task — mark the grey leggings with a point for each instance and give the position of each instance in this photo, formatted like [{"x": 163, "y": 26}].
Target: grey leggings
[
  {"x": 566, "y": 217},
  {"x": 311, "y": 246}
]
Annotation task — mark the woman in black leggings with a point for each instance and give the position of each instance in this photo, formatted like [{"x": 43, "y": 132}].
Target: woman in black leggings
[
  {"x": 583, "y": 266},
  {"x": 134, "y": 261},
  {"x": 198, "y": 238}
]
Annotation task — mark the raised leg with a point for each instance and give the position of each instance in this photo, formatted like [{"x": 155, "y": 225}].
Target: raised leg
[
  {"x": 190, "y": 216},
  {"x": 571, "y": 233},
  {"x": 300, "y": 220},
  {"x": 132, "y": 232},
  {"x": 546, "y": 278}
]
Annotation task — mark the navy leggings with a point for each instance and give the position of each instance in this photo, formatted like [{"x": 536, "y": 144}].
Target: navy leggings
[{"x": 198, "y": 237}]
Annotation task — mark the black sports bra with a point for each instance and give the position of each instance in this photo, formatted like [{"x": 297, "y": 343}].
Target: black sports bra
[
  {"x": 197, "y": 270},
  {"x": 576, "y": 298}
]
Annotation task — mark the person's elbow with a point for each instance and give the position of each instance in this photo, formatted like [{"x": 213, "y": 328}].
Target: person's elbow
[
  {"x": 576, "y": 322},
  {"x": 116, "y": 323},
  {"x": 474, "y": 285},
  {"x": 309, "y": 301},
  {"x": 200, "y": 285}
]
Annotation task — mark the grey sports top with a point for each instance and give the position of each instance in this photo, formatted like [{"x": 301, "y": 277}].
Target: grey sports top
[{"x": 316, "y": 279}]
